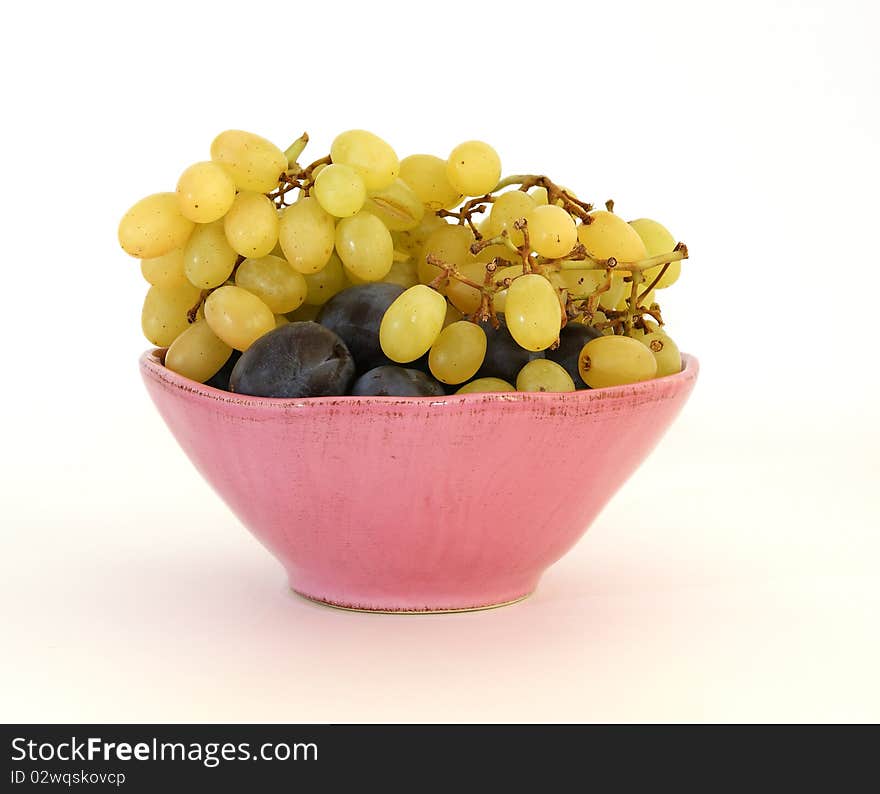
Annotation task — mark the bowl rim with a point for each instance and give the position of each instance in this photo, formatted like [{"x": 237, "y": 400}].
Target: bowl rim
[{"x": 152, "y": 368}]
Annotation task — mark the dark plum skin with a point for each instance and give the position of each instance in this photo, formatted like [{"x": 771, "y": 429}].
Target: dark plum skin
[
  {"x": 390, "y": 381},
  {"x": 572, "y": 339},
  {"x": 355, "y": 315},
  {"x": 296, "y": 360},
  {"x": 504, "y": 357},
  {"x": 220, "y": 380}
]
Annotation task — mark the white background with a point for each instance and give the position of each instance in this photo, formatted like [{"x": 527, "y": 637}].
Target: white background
[{"x": 734, "y": 578}]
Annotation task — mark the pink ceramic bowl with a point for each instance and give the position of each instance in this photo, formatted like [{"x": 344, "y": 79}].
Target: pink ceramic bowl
[{"x": 417, "y": 504}]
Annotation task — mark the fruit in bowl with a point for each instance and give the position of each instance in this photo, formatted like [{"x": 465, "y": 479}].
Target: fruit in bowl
[{"x": 413, "y": 408}]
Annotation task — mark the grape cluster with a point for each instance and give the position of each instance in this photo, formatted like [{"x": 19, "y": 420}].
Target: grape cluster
[{"x": 364, "y": 274}]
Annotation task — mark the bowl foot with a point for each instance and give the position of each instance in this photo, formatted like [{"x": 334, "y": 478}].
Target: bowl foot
[{"x": 383, "y": 610}]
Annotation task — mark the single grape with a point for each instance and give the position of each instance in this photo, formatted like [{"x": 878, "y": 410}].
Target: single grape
[
  {"x": 614, "y": 361},
  {"x": 412, "y": 324},
  {"x": 578, "y": 282},
  {"x": 205, "y": 192},
  {"x": 473, "y": 168},
  {"x": 274, "y": 282},
  {"x": 458, "y": 352},
  {"x": 371, "y": 157},
  {"x": 164, "y": 314},
  {"x": 237, "y": 316},
  {"x": 665, "y": 352},
  {"x": 533, "y": 312},
  {"x": 657, "y": 240},
  {"x": 154, "y": 226},
  {"x": 465, "y": 298},
  {"x": 506, "y": 211},
  {"x": 295, "y": 360},
  {"x": 165, "y": 271},
  {"x": 364, "y": 245},
  {"x": 453, "y": 315},
  {"x": 326, "y": 283},
  {"x": 208, "y": 259},
  {"x": 449, "y": 243},
  {"x": 404, "y": 274},
  {"x": 485, "y": 385},
  {"x": 253, "y": 162},
  {"x": 544, "y": 375},
  {"x": 307, "y": 235},
  {"x": 221, "y": 379},
  {"x": 504, "y": 357},
  {"x": 539, "y": 194},
  {"x": 340, "y": 190},
  {"x": 397, "y": 206},
  {"x": 412, "y": 241},
  {"x": 504, "y": 275},
  {"x": 281, "y": 319},
  {"x": 427, "y": 177},
  {"x": 392, "y": 381},
  {"x": 355, "y": 315},
  {"x": 608, "y": 235},
  {"x": 197, "y": 353},
  {"x": 251, "y": 225},
  {"x": 572, "y": 339},
  {"x": 552, "y": 231}
]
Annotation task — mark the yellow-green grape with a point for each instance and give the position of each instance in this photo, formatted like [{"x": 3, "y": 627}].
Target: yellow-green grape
[
  {"x": 253, "y": 162},
  {"x": 539, "y": 194},
  {"x": 426, "y": 175},
  {"x": 305, "y": 312},
  {"x": 614, "y": 361},
  {"x": 578, "y": 282},
  {"x": 507, "y": 210},
  {"x": 307, "y": 235},
  {"x": 154, "y": 226},
  {"x": 404, "y": 274},
  {"x": 274, "y": 282},
  {"x": 364, "y": 245},
  {"x": 411, "y": 241},
  {"x": 496, "y": 251},
  {"x": 205, "y": 192},
  {"x": 397, "y": 206},
  {"x": 326, "y": 283},
  {"x": 237, "y": 316},
  {"x": 451, "y": 244},
  {"x": 657, "y": 240},
  {"x": 533, "y": 312},
  {"x": 542, "y": 374},
  {"x": 198, "y": 353},
  {"x": 464, "y": 297},
  {"x": 165, "y": 271},
  {"x": 412, "y": 324},
  {"x": 609, "y": 235},
  {"x": 473, "y": 168},
  {"x": 164, "y": 315},
  {"x": 340, "y": 190},
  {"x": 485, "y": 385},
  {"x": 665, "y": 351},
  {"x": 280, "y": 320},
  {"x": 552, "y": 232},
  {"x": 612, "y": 297},
  {"x": 369, "y": 155},
  {"x": 501, "y": 275},
  {"x": 251, "y": 224},
  {"x": 208, "y": 259},
  {"x": 453, "y": 315},
  {"x": 458, "y": 352}
]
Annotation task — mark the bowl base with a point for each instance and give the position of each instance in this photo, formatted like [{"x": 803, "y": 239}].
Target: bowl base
[{"x": 405, "y": 611}]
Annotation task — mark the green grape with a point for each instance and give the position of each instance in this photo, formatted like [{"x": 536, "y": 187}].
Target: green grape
[
  {"x": 412, "y": 241},
  {"x": 426, "y": 176},
  {"x": 397, "y": 206},
  {"x": 542, "y": 374},
  {"x": 499, "y": 251},
  {"x": 612, "y": 297},
  {"x": 280, "y": 320},
  {"x": 609, "y": 235},
  {"x": 614, "y": 361},
  {"x": 485, "y": 385},
  {"x": 465, "y": 298},
  {"x": 326, "y": 283},
  {"x": 165, "y": 271},
  {"x": 197, "y": 354},
  {"x": 164, "y": 316},
  {"x": 253, "y": 162},
  {"x": 552, "y": 232},
  {"x": 365, "y": 247},
  {"x": 657, "y": 240},
  {"x": 412, "y": 324},
  {"x": 501, "y": 276},
  {"x": 458, "y": 352},
  {"x": 507, "y": 209},
  {"x": 473, "y": 168},
  {"x": 340, "y": 190},
  {"x": 539, "y": 194},
  {"x": 369, "y": 155},
  {"x": 251, "y": 224},
  {"x": 154, "y": 226},
  {"x": 237, "y": 316},
  {"x": 305, "y": 313},
  {"x": 450, "y": 243},
  {"x": 208, "y": 259},
  {"x": 205, "y": 192},
  {"x": 404, "y": 274},
  {"x": 274, "y": 282},
  {"x": 453, "y": 315},
  {"x": 533, "y": 312},
  {"x": 665, "y": 352},
  {"x": 307, "y": 235},
  {"x": 578, "y": 282}
]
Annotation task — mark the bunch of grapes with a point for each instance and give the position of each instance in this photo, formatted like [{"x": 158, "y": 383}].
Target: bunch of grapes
[{"x": 364, "y": 274}]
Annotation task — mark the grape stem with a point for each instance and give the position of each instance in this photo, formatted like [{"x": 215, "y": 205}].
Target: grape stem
[
  {"x": 571, "y": 204},
  {"x": 295, "y": 150},
  {"x": 466, "y": 211}
]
